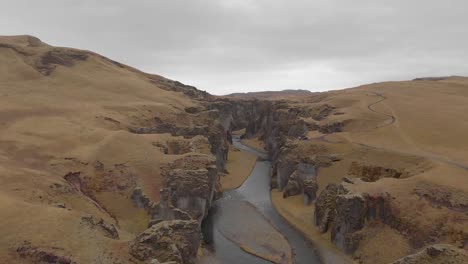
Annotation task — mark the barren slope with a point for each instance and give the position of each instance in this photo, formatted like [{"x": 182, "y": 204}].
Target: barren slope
[
  {"x": 407, "y": 143},
  {"x": 68, "y": 158}
]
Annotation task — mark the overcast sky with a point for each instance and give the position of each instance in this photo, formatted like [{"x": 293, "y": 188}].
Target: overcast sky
[{"x": 225, "y": 46}]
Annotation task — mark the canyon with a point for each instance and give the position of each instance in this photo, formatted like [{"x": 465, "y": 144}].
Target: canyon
[{"x": 103, "y": 163}]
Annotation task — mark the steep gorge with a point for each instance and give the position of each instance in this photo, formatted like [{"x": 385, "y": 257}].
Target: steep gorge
[
  {"x": 115, "y": 165},
  {"x": 120, "y": 166},
  {"x": 350, "y": 208},
  {"x": 306, "y": 139}
]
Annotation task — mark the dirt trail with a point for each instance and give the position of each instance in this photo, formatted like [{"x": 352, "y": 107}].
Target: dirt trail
[{"x": 391, "y": 119}]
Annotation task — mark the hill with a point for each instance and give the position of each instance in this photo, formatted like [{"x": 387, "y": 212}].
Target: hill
[
  {"x": 103, "y": 163},
  {"x": 269, "y": 95},
  {"x": 86, "y": 145},
  {"x": 391, "y": 165}
]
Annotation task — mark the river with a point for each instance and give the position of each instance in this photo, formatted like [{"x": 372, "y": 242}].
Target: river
[{"x": 255, "y": 190}]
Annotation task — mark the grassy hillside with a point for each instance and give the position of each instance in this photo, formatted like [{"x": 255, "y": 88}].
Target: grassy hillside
[
  {"x": 406, "y": 141},
  {"x": 66, "y": 150}
]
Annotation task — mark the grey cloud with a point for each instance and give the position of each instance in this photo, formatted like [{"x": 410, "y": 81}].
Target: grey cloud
[{"x": 226, "y": 45}]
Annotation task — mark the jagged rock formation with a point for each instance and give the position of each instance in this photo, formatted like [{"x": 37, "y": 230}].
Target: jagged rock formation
[
  {"x": 450, "y": 198},
  {"x": 321, "y": 112},
  {"x": 373, "y": 173},
  {"x": 278, "y": 124},
  {"x": 146, "y": 152},
  {"x": 302, "y": 181},
  {"x": 143, "y": 201},
  {"x": 436, "y": 254},
  {"x": 191, "y": 184},
  {"x": 175, "y": 240},
  {"x": 330, "y": 128},
  {"x": 325, "y": 206},
  {"x": 346, "y": 212},
  {"x": 107, "y": 229},
  {"x": 44, "y": 255},
  {"x": 297, "y": 135}
]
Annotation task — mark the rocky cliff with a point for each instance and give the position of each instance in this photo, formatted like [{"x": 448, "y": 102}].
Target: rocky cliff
[
  {"x": 102, "y": 163},
  {"x": 113, "y": 164},
  {"x": 359, "y": 194}
]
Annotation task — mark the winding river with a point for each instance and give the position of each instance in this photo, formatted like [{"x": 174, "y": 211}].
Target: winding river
[{"x": 255, "y": 190}]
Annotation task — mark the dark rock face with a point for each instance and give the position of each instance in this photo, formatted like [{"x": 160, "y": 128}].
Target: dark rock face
[
  {"x": 439, "y": 254},
  {"x": 292, "y": 188},
  {"x": 176, "y": 86},
  {"x": 174, "y": 240},
  {"x": 165, "y": 210},
  {"x": 325, "y": 207},
  {"x": 187, "y": 132},
  {"x": 279, "y": 124},
  {"x": 331, "y": 128},
  {"x": 373, "y": 173},
  {"x": 182, "y": 146},
  {"x": 44, "y": 255},
  {"x": 219, "y": 138},
  {"x": 345, "y": 213},
  {"x": 310, "y": 187},
  {"x": 190, "y": 184},
  {"x": 322, "y": 112},
  {"x": 193, "y": 110},
  {"x": 106, "y": 229},
  {"x": 142, "y": 201},
  {"x": 218, "y": 133},
  {"x": 178, "y": 147},
  {"x": 284, "y": 169},
  {"x": 450, "y": 198},
  {"x": 49, "y": 60},
  {"x": 350, "y": 217},
  {"x": 168, "y": 212},
  {"x": 298, "y": 129},
  {"x": 301, "y": 181}
]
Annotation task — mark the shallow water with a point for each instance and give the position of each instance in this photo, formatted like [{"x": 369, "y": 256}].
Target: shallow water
[{"x": 256, "y": 190}]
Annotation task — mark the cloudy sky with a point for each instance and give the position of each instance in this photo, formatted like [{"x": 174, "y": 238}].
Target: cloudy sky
[{"x": 225, "y": 46}]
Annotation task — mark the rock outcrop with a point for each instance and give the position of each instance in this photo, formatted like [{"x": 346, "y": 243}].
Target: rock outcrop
[
  {"x": 436, "y": 254},
  {"x": 302, "y": 181},
  {"x": 106, "y": 229},
  {"x": 325, "y": 207},
  {"x": 142, "y": 201},
  {"x": 278, "y": 125},
  {"x": 333, "y": 127},
  {"x": 346, "y": 212},
  {"x": 357, "y": 213},
  {"x": 44, "y": 255},
  {"x": 191, "y": 183},
  {"x": 373, "y": 173},
  {"x": 175, "y": 240},
  {"x": 192, "y": 190}
]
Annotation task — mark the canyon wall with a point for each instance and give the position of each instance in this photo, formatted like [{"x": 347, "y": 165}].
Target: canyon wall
[
  {"x": 353, "y": 206},
  {"x": 190, "y": 184}
]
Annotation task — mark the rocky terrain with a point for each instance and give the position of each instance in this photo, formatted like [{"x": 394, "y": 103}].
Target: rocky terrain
[
  {"x": 102, "y": 163},
  {"x": 373, "y": 164}
]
